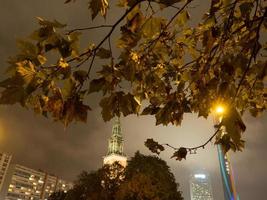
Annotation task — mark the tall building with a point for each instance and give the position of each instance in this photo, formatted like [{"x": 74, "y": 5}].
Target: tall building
[
  {"x": 30, "y": 184},
  {"x": 4, "y": 165},
  {"x": 200, "y": 187},
  {"x": 115, "y": 146},
  {"x": 52, "y": 184}
]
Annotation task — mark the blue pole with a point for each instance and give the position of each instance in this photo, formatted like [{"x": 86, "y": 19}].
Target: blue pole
[{"x": 227, "y": 188}]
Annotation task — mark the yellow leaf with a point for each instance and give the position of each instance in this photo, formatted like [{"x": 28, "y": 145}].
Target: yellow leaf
[
  {"x": 41, "y": 59},
  {"x": 26, "y": 70},
  {"x": 62, "y": 63}
]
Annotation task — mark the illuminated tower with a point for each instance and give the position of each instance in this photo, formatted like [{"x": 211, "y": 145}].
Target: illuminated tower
[
  {"x": 227, "y": 175},
  {"x": 200, "y": 187},
  {"x": 230, "y": 192},
  {"x": 115, "y": 146}
]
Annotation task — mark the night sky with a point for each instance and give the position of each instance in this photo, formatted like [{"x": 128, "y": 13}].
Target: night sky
[{"x": 40, "y": 143}]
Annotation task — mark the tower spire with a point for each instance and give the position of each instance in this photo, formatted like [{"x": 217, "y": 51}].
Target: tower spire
[
  {"x": 115, "y": 145},
  {"x": 116, "y": 141},
  {"x": 116, "y": 129}
]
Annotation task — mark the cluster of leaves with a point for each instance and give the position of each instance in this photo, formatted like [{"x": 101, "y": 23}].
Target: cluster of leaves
[
  {"x": 233, "y": 126},
  {"x": 164, "y": 65},
  {"x": 153, "y": 146},
  {"x": 228, "y": 135},
  {"x": 47, "y": 88},
  {"x": 145, "y": 177}
]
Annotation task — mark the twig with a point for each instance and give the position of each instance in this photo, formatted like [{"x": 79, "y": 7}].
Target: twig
[
  {"x": 91, "y": 64},
  {"x": 168, "y": 24},
  {"x": 109, "y": 33},
  {"x": 88, "y": 71},
  {"x": 88, "y": 28},
  {"x": 84, "y": 61},
  {"x": 196, "y": 147},
  {"x": 151, "y": 8}
]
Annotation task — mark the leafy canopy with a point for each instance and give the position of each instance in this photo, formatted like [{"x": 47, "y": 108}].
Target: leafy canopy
[{"x": 162, "y": 66}]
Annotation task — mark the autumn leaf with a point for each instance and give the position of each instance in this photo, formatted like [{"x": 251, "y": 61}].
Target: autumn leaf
[
  {"x": 154, "y": 146},
  {"x": 55, "y": 105},
  {"x": 150, "y": 110},
  {"x": 109, "y": 107},
  {"x": 80, "y": 76},
  {"x": 182, "y": 18},
  {"x": 128, "y": 104},
  {"x": 97, "y": 84},
  {"x": 74, "y": 109},
  {"x": 69, "y": 87},
  {"x": 180, "y": 154},
  {"x": 103, "y": 53},
  {"x": 152, "y": 27},
  {"x": 68, "y": 1},
  {"x": 168, "y": 2},
  {"x": 234, "y": 126},
  {"x": 26, "y": 70},
  {"x": 97, "y": 6},
  {"x": 62, "y": 63},
  {"x": 55, "y": 23},
  {"x": 13, "y": 95}
]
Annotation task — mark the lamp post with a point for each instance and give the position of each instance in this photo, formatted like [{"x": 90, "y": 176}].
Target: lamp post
[{"x": 224, "y": 161}]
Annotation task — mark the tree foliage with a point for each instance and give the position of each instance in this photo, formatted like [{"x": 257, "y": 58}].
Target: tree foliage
[
  {"x": 59, "y": 195},
  {"x": 146, "y": 177},
  {"x": 101, "y": 184},
  {"x": 172, "y": 66}
]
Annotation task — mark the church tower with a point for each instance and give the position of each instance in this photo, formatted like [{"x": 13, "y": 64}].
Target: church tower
[{"x": 115, "y": 146}]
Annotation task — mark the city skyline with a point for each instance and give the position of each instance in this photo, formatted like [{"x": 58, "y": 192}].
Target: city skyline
[
  {"x": 69, "y": 151},
  {"x": 20, "y": 182}
]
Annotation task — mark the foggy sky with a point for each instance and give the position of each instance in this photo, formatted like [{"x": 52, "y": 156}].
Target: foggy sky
[{"x": 42, "y": 144}]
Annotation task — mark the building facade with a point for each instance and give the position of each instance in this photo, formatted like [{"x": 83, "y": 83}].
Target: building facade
[
  {"x": 5, "y": 160},
  {"x": 115, "y": 146},
  {"x": 200, "y": 187},
  {"x": 30, "y": 184}
]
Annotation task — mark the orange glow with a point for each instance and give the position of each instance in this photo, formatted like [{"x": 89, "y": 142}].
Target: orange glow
[{"x": 220, "y": 109}]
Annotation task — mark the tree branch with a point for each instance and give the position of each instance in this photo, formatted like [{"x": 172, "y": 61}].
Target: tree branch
[
  {"x": 168, "y": 24},
  {"x": 109, "y": 33},
  {"x": 202, "y": 146},
  {"x": 252, "y": 54},
  {"x": 88, "y": 28},
  {"x": 111, "y": 52}
]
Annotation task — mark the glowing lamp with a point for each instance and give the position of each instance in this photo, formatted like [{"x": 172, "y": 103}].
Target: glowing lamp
[{"x": 220, "y": 109}]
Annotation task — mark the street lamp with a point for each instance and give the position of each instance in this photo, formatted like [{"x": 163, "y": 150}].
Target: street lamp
[{"x": 220, "y": 109}]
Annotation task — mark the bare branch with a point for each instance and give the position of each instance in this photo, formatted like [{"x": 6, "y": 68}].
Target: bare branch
[
  {"x": 110, "y": 49},
  {"x": 202, "y": 146},
  {"x": 88, "y": 28}
]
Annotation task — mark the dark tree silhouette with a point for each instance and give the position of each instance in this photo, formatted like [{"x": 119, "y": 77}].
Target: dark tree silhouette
[{"x": 145, "y": 178}]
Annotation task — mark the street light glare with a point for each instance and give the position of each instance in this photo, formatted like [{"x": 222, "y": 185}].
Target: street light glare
[{"x": 220, "y": 109}]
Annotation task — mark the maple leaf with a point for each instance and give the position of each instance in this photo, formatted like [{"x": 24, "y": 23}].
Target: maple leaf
[{"x": 97, "y": 6}]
